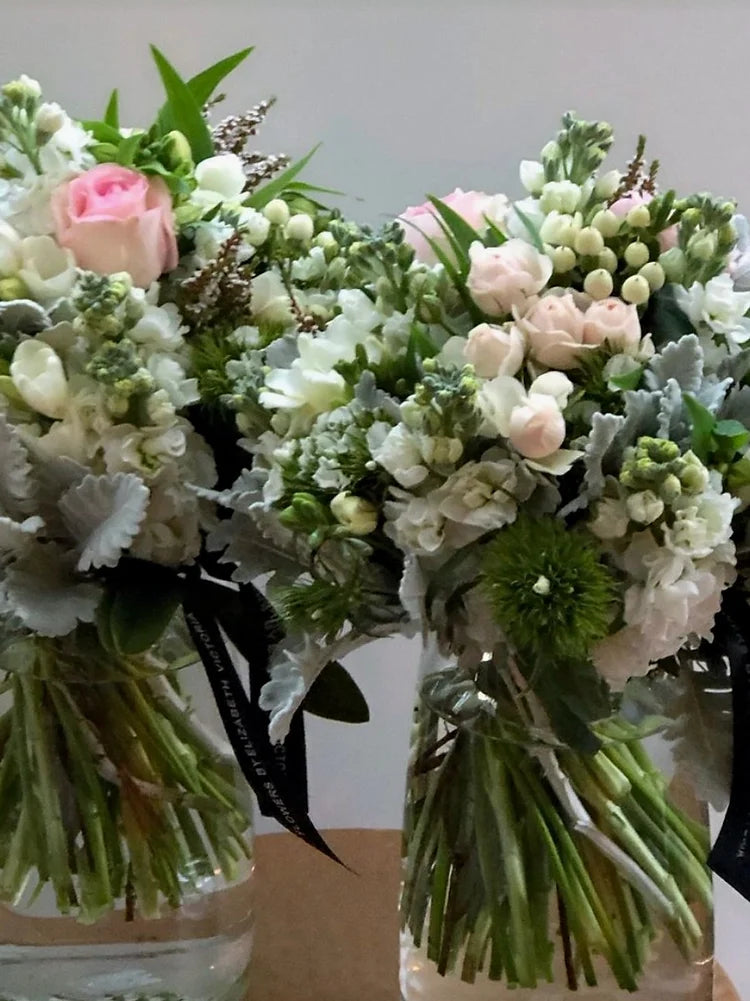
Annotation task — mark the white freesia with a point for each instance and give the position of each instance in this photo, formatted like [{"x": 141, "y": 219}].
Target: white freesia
[
  {"x": 47, "y": 270},
  {"x": 270, "y": 300},
  {"x": 38, "y": 375}
]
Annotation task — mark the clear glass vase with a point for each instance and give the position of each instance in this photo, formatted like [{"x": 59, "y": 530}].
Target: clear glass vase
[
  {"x": 125, "y": 830},
  {"x": 534, "y": 871}
]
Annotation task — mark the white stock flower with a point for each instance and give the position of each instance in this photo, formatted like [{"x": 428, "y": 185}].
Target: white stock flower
[
  {"x": 310, "y": 390},
  {"x": 611, "y": 519},
  {"x": 270, "y": 301},
  {"x": 160, "y": 328},
  {"x": 50, "y": 117},
  {"x": 414, "y": 523},
  {"x": 310, "y": 267},
  {"x": 254, "y": 226},
  {"x": 10, "y": 250},
  {"x": 398, "y": 452},
  {"x": 357, "y": 515},
  {"x": 38, "y": 375},
  {"x": 717, "y": 306},
  {"x": 47, "y": 270},
  {"x": 702, "y": 524},
  {"x": 169, "y": 375}
]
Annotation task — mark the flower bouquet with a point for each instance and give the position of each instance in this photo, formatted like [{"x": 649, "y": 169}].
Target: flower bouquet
[
  {"x": 120, "y": 249},
  {"x": 519, "y": 428}
]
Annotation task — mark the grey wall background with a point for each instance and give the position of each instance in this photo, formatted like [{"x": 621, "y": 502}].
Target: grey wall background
[{"x": 409, "y": 97}]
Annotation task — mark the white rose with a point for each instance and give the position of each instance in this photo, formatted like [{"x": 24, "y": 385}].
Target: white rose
[
  {"x": 10, "y": 250},
  {"x": 220, "y": 177},
  {"x": 48, "y": 271},
  {"x": 494, "y": 350},
  {"x": 38, "y": 375}
]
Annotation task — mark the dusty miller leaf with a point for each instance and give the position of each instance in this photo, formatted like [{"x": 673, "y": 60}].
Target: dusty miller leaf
[
  {"x": 104, "y": 514},
  {"x": 43, "y": 592},
  {"x": 16, "y": 485},
  {"x": 681, "y": 361}
]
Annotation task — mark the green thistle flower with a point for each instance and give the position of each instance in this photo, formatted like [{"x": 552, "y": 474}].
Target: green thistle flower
[{"x": 549, "y": 590}]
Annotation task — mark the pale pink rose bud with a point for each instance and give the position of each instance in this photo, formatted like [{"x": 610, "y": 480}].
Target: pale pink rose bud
[
  {"x": 554, "y": 328},
  {"x": 421, "y": 223},
  {"x": 115, "y": 219},
  {"x": 504, "y": 277},
  {"x": 537, "y": 427},
  {"x": 494, "y": 350},
  {"x": 613, "y": 321}
]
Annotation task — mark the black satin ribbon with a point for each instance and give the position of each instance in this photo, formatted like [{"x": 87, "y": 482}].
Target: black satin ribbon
[
  {"x": 276, "y": 773},
  {"x": 730, "y": 856}
]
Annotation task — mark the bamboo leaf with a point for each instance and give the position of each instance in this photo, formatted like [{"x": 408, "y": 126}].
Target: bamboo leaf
[
  {"x": 262, "y": 196},
  {"x": 185, "y": 111},
  {"x": 203, "y": 85},
  {"x": 112, "y": 113}
]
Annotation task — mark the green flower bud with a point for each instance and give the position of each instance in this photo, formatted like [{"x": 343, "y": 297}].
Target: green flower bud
[
  {"x": 607, "y": 223},
  {"x": 702, "y": 246},
  {"x": 639, "y": 217},
  {"x": 177, "y": 153},
  {"x": 429, "y": 309},
  {"x": 659, "y": 449},
  {"x": 277, "y": 212},
  {"x": 589, "y": 241},
  {"x": 608, "y": 184},
  {"x": 300, "y": 228},
  {"x": 693, "y": 474},
  {"x": 636, "y": 290},
  {"x": 673, "y": 263},
  {"x": 670, "y": 488},
  {"x": 598, "y": 284},
  {"x": 608, "y": 260},
  {"x": 636, "y": 254},
  {"x": 12, "y": 288},
  {"x": 23, "y": 89},
  {"x": 563, "y": 259},
  {"x": 356, "y": 514},
  {"x": 653, "y": 272}
]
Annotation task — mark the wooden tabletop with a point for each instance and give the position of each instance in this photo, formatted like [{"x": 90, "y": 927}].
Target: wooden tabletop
[{"x": 325, "y": 934}]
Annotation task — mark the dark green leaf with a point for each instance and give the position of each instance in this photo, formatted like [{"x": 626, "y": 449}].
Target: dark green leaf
[
  {"x": 203, "y": 85},
  {"x": 664, "y": 319},
  {"x": 303, "y": 186},
  {"x": 262, "y": 196},
  {"x": 703, "y": 422},
  {"x": 112, "y": 113},
  {"x": 184, "y": 109},
  {"x": 144, "y": 599},
  {"x": 335, "y": 695},
  {"x": 463, "y": 233},
  {"x": 730, "y": 429},
  {"x": 530, "y": 228}
]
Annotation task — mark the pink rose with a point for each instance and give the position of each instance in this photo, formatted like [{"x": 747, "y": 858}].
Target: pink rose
[
  {"x": 537, "y": 427},
  {"x": 494, "y": 350},
  {"x": 420, "y": 222},
  {"x": 667, "y": 238},
  {"x": 613, "y": 321},
  {"x": 114, "y": 219},
  {"x": 501, "y": 278},
  {"x": 554, "y": 328}
]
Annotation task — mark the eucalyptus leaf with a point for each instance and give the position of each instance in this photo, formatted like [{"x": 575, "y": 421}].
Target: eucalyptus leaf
[{"x": 335, "y": 695}]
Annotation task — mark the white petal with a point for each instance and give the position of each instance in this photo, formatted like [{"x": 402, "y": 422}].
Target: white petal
[{"x": 557, "y": 464}]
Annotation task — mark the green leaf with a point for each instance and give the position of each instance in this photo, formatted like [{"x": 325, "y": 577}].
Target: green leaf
[
  {"x": 664, "y": 319},
  {"x": 112, "y": 113},
  {"x": 530, "y": 228},
  {"x": 455, "y": 276},
  {"x": 628, "y": 381},
  {"x": 498, "y": 237},
  {"x": 128, "y": 149},
  {"x": 103, "y": 132},
  {"x": 731, "y": 429},
  {"x": 203, "y": 85},
  {"x": 738, "y": 475},
  {"x": 143, "y": 599},
  {"x": 304, "y": 187},
  {"x": 262, "y": 196},
  {"x": 184, "y": 109},
  {"x": 335, "y": 695},
  {"x": 703, "y": 422},
  {"x": 463, "y": 233}
]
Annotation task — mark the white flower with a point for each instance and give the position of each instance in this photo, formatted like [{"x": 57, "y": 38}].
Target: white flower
[
  {"x": 702, "y": 524},
  {"x": 357, "y": 515},
  {"x": 127, "y": 448},
  {"x": 220, "y": 179},
  {"x": 10, "y": 250},
  {"x": 561, "y": 228},
  {"x": 645, "y": 507},
  {"x": 169, "y": 375},
  {"x": 307, "y": 389},
  {"x": 38, "y": 375},
  {"x": 354, "y": 326},
  {"x": 717, "y": 306},
  {"x": 254, "y": 226},
  {"x": 515, "y": 225},
  {"x": 414, "y": 523},
  {"x": 160, "y": 328},
  {"x": 482, "y": 496},
  {"x": 560, "y": 196},
  {"x": 209, "y": 238},
  {"x": 398, "y": 452},
  {"x": 311, "y": 267},
  {"x": 270, "y": 301},
  {"x": 532, "y": 176},
  {"x": 611, "y": 520},
  {"x": 47, "y": 269},
  {"x": 300, "y": 228},
  {"x": 50, "y": 117},
  {"x": 170, "y": 533}
]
